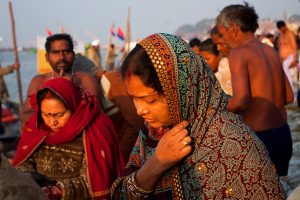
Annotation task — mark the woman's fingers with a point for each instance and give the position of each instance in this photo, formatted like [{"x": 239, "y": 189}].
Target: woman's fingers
[
  {"x": 174, "y": 146},
  {"x": 186, "y": 150},
  {"x": 185, "y": 142},
  {"x": 178, "y": 135},
  {"x": 178, "y": 128}
]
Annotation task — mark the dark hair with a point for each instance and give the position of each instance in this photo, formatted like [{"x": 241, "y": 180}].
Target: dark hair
[
  {"x": 242, "y": 15},
  {"x": 194, "y": 42},
  {"x": 209, "y": 46},
  {"x": 59, "y": 36},
  {"x": 138, "y": 63},
  {"x": 280, "y": 24},
  {"x": 48, "y": 94},
  {"x": 270, "y": 35}
]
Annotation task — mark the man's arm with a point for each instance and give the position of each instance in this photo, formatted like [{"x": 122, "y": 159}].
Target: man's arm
[
  {"x": 240, "y": 82},
  {"x": 289, "y": 95},
  {"x": 292, "y": 39},
  {"x": 9, "y": 69},
  {"x": 89, "y": 83}
]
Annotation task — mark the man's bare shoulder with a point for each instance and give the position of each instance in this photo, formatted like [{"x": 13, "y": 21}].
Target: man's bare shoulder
[
  {"x": 37, "y": 81},
  {"x": 39, "y": 77},
  {"x": 290, "y": 34},
  {"x": 254, "y": 50},
  {"x": 238, "y": 54},
  {"x": 270, "y": 50},
  {"x": 87, "y": 82},
  {"x": 241, "y": 50},
  {"x": 235, "y": 52}
]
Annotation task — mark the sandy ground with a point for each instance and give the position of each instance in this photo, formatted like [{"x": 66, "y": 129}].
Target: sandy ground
[{"x": 293, "y": 179}]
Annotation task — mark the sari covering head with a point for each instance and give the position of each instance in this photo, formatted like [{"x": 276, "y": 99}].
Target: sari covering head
[
  {"x": 101, "y": 149},
  {"x": 227, "y": 161}
]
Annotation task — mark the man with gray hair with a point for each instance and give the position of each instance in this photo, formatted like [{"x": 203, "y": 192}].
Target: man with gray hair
[{"x": 260, "y": 87}]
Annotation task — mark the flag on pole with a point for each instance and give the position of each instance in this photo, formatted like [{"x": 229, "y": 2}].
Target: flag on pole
[
  {"x": 49, "y": 32},
  {"x": 112, "y": 31},
  {"x": 120, "y": 34}
]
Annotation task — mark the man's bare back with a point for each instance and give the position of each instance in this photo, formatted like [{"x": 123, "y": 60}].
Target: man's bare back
[
  {"x": 81, "y": 79},
  {"x": 260, "y": 88}
]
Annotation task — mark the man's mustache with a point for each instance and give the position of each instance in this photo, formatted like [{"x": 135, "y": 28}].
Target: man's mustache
[{"x": 62, "y": 62}]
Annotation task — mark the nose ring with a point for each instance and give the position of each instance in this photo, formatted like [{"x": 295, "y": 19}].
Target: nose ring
[{"x": 55, "y": 123}]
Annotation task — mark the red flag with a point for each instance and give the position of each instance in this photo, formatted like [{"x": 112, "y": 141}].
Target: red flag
[
  {"x": 49, "y": 32},
  {"x": 112, "y": 31},
  {"x": 120, "y": 33}
]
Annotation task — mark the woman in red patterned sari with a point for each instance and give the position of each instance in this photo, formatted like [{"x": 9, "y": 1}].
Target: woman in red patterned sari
[
  {"x": 191, "y": 146},
  {"x": 69, "y": 143}
]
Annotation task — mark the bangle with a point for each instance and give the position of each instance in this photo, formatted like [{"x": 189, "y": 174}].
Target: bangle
[
  {"x": 61, "y": 186},
  {"x": 135, "y": 190}
]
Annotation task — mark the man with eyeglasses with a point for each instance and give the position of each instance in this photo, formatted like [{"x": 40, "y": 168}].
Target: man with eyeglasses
[{"x": 60, "y": 55}]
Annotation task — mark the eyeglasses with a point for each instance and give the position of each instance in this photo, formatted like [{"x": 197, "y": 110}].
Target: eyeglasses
[{"x": 63, "y": 51}]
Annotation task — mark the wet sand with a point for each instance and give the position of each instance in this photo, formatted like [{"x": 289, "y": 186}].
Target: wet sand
[{"x": 293, "y": 179}]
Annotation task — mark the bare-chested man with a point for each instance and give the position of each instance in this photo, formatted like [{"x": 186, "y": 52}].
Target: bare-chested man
[
  {"x": 60, "y": 55},
  {"x": 260, "y": 88},
  {"x": 287, "y": 47}
]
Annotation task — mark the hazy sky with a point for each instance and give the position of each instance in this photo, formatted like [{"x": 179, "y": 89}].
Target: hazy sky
[{"x": 83, "y": 18}]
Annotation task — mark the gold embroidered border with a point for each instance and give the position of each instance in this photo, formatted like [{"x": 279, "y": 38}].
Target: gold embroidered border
[{"x": 163, "y": 60}]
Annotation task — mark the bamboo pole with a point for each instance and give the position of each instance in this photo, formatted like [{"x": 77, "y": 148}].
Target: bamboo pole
[
  {"x": 91, "y": 35},
  {"x": 110, "y": 34},
  {"x": 16, "y": 57},
  {"x": 108, "y": 44},
  {"x": 61, "y": 27},
  {"x": 127, "y": 36}
]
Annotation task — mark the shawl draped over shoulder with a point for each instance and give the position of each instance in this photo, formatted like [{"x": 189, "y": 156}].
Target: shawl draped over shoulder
[
  {"x": 228, "y": 160},
  {"x": 102, "y": 151}
]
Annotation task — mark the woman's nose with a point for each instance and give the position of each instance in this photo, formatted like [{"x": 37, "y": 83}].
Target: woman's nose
[
  {"x": 53, "y": 121},
  {"x": 140, "y": 108}
]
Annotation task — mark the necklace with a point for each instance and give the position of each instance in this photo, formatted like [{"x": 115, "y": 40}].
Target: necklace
[
  {"x": 249, "y": 40},
  {"x": 156, "y": 133},
  {"x": 52, "y": 74}
]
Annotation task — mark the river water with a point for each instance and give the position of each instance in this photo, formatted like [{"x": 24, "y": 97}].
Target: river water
[{"x": 28, "y": 71}]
